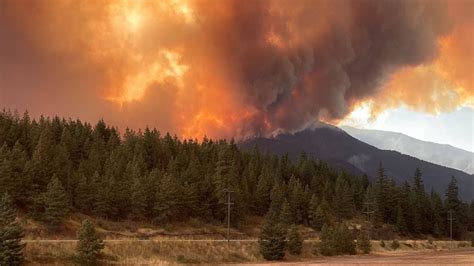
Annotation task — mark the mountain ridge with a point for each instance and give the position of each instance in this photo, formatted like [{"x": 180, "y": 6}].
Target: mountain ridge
[
  {"x": 338, "y": 148},
  {"x": 442, "y": 154}
]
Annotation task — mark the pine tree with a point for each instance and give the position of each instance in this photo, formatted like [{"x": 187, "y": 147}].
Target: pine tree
[
  {"x": 312, "y": 210},
  {"x": 285, "y": 216},
  {"x": 344, "y": 242},
  {"x": 337, "y": 240},
  {"x": 453, "y": 205},
  {"x": 11, "y": 233},
  {"x": 295, "y": 242},
  {"x": 327, "y": 246},
  {"x": 400, "y": 224},
  {"x": 272, "y": 240},
  {"x": 318, "y": 214},
  {"x": 168, "y": 200},
  {"x": 56, "y": 204},
  {"x": 138, "y": 199},
  {"x": 89, "y": 248},
  {"x": 85, "y": 194},
  {"x": 343, "y": 201}
]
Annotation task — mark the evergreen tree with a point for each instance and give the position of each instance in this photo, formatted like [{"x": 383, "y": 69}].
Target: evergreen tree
[
  {"x": 89, "y": 248},
  {"x": 138, "y": 199},
  {"x": 453, "y": 205},
  {"x": 295, "y": 242},
  {"x": 400, "y": 224},
  {"x": 337, "y": 240},
  {"x": 56, "y": 205},
  {"x": 318, "y": 214},
  {"x": 263, "y": 190},
  {"x": 168, "y": 200},
  {"x": 343, "y": 201},
  {"x": 344, "y": 241},
  {"x": 327, "y": 246},
  {"x": 11, "y": 233},
  {"x": 272, "y": 242},
  {"x": 84, "y": 193},
  {"x": 285, "y": 216}
]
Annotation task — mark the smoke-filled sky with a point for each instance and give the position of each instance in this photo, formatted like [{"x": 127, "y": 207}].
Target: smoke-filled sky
[{"x": 226, "y": 68}]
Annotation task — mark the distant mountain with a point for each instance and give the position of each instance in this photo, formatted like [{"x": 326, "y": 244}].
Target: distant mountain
[
  {"x": 441, "y": 154},
  {"x": 338, "y": 148}
]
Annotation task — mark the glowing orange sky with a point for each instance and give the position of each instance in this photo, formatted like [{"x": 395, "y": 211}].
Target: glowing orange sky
[{"x": 233, "y": 68}]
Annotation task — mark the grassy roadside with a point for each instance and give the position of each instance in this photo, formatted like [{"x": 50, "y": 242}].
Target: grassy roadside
[
  {"x": 132, "y": 252},
  {"x": 131, "y": 243}
]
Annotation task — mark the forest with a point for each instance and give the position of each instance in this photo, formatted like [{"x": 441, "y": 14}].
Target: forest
[{"x": 51, "y": 167}]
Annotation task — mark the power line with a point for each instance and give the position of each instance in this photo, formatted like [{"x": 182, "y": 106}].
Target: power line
[
  {"x": 368, "y": 212},
  {"x": 228, "y": 203}
]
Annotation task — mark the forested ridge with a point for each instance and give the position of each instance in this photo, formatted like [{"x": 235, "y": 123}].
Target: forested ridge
[{"x": 53, "y": 166}]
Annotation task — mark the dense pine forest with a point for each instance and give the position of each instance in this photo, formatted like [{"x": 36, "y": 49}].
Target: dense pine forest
[{"x": 51, "y": 167}]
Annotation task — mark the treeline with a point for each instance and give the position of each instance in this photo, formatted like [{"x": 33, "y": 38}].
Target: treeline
[{"x": 52, "y": 166}]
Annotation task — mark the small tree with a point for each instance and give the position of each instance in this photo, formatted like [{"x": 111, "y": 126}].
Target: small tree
[
  {"x": 11, "y": 233},
  {"x": 344, "y": 241},
  {"x": 363, "y": 243},
  {"x": 272, "y": 240},
  {"x": 337, "y": 241},
  {"x": 56, "y": 204},
  {"x": 295, "y": 242},
  {"x": 89, "y": 247},
  {"x": 326, "y": 247},
  {"x": 395, "y": 244}
]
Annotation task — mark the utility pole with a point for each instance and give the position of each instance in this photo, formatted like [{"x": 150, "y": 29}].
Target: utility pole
[
  {"x": 450, "y": 219},
  {"x": 228, "y": 214},
  {"x": 369, "y": 212}
]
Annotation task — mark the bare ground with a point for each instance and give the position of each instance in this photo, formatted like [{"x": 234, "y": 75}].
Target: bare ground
[{"x": 447, "y": 257}]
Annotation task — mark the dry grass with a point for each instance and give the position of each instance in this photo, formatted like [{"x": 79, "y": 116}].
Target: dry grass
[{"x": 163, "y": 252}]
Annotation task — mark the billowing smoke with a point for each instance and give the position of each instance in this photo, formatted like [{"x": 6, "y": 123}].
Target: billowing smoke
[{"x": 231, "y": 68}]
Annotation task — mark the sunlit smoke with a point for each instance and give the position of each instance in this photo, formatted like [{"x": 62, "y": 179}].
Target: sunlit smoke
[{"x": 233, "y": 68}]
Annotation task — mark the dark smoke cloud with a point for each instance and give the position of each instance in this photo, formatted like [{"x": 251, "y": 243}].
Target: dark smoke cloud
[{"x": 252, "y": 67}]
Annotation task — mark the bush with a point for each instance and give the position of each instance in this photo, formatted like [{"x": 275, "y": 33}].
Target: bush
[
  {"x": 295, "y": 242},
  {"x": 395, "y": 244},
  {"x": 337, "y": 241},
  {"x": 363, "y": 243},
  {"x": 382, "y": 243}
]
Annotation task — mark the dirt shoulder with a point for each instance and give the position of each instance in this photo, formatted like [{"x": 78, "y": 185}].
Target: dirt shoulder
[{"x": 445, "y": 257}]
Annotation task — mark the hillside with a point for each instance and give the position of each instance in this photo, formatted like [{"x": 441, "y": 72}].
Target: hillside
[
  {"x": 442, "y": 154},
  {"x": 339, "y": 148}
]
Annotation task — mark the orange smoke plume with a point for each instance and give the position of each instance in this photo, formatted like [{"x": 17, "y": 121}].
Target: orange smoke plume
[{"x": 232, "y": 68}]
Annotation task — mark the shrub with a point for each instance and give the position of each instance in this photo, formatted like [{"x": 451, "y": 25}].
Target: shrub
[
  {"x": 395, "y": 244},
  {"x": 382, "y": 243},
  {"x": 337, "y": 241},
  {"x": 363, "y": 243},
  {"x": 295, "y": 242}
]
